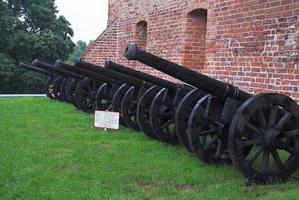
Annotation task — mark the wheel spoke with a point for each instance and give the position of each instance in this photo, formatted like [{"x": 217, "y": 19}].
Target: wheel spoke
[
  {"x": 255, "y": 155},
  {"x": 208, "y": 132},
  {"x": 282, "y": 122},
  {"x": 265, "y": 163},
  {"x": 211, "y": 142},
  {"x": 277, "y": 159},
  {"x": 199, "y": 113},
  {"x": 253, "y": 128},
  {"x": 251, "y": 142},
  {"x": 273, "y": 116},
  {"x": 88, "y": 87},
  {"x": 261, "y": 118},
  {"x": 288, "y": 149},
  {"x": 292, "y": 134},
  {"x": 131, "y": 113},
  {"x": 207, "y": 110},
  {"x": 89, "y": 105}
]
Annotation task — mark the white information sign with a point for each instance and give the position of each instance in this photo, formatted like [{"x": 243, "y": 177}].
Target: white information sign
[{"x": 106, "y": 120}]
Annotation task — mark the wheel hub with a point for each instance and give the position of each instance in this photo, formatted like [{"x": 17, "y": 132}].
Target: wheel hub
[{"x": 272, "y": 139}]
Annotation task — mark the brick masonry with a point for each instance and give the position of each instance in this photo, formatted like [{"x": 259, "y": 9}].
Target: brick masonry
[{"x": 253, "y": 44}]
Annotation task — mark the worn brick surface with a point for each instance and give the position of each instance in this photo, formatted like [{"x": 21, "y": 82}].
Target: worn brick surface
[{"x": 253, "y": 44}]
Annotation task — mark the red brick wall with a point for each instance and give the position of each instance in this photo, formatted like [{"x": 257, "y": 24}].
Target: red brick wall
[
  {"x": 195, "y": 39},
  {"x": 113, "y": 11},
  {"x": 103, "y": 48},
  {"x": 253, "y": 44}
]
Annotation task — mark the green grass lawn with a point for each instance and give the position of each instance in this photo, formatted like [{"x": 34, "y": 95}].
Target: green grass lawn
[{"x": 49, "y": 150}]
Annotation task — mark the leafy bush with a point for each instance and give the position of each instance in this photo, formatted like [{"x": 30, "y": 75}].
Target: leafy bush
[{"x": 29, "y": 30}]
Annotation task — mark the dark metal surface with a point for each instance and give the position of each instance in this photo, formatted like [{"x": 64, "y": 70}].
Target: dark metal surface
[
  {"x": 83, "y": 72},
  {"x": 162, "y": 113},
  {"x": 117, "y": 99},
  {"x": 208, "y": 84},
  {"x": 129, "y": 107},
  {"x": 206, "y": 132},
  {"x": 56, "y": 88},
  {"x": 143, "y": 111},
  {"x": 63, "y": 88},
  {"x": 109, "y": 73},
  {"x": 162, "y": 118},
  {"x": 140, "y": 75},
  {"x": 70, "y": 90},
  {"x": 85, "y": 94},
  {"x": 182, "y": 114},
  {"x": 35, "y": 69},
  {"x": 55, "y": 70},
  {"x": 267, "y": 125},
  {"x": 104, "y": 96}
]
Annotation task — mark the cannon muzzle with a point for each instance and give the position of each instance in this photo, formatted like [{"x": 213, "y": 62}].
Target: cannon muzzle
[
  {"x": 35, "y": 69},
  {"x": 50, "y": 68},
  {"x": 217, "y": 88}
]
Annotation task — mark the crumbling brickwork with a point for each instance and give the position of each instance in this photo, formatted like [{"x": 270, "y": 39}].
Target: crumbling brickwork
[{"x": 253, "y": 44}]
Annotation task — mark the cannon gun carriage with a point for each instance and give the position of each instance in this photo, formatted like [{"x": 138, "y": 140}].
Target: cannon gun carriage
[
  {"x": 116, "y": 93},
  {"x": 259, "y": 134},
  {"x": 172, "y": 93}
]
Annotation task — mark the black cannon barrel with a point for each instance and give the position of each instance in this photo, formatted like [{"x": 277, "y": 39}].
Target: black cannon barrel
[
  {"x": 83, "y": 72},
  {"x": 55, "y": 70},
  {"x": 35, "y": 69},
  {"x": 107, "y": 72},
  {"x": 217, "y": 88},
  {"x": 141, "y": 75}
]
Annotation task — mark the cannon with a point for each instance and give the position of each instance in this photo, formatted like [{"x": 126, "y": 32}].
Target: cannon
[
  {"x": 112, "y": 92},
  {"x": 142, "y": 105},
  {"x": 259, "y": 134},
  {"x": 61, "y": 80},
  {"x": 89, "y": 93},
  {"x": 163, "y": 106},
  {"x": 49, "y": 85},
  {"x": 37, "y": 70}
]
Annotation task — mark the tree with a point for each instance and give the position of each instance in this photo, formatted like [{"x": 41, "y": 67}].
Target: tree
[
  {"x": 30, "y": 29},
  {"x": 78, "y": 50}
]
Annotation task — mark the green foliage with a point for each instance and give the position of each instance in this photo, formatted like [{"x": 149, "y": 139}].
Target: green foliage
[
  {"x": 78, "y": 50},
  {"x": 7, "y": 72},
  {"x": 49, "y": 150},
  {"x": 30, "y": 29}
]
